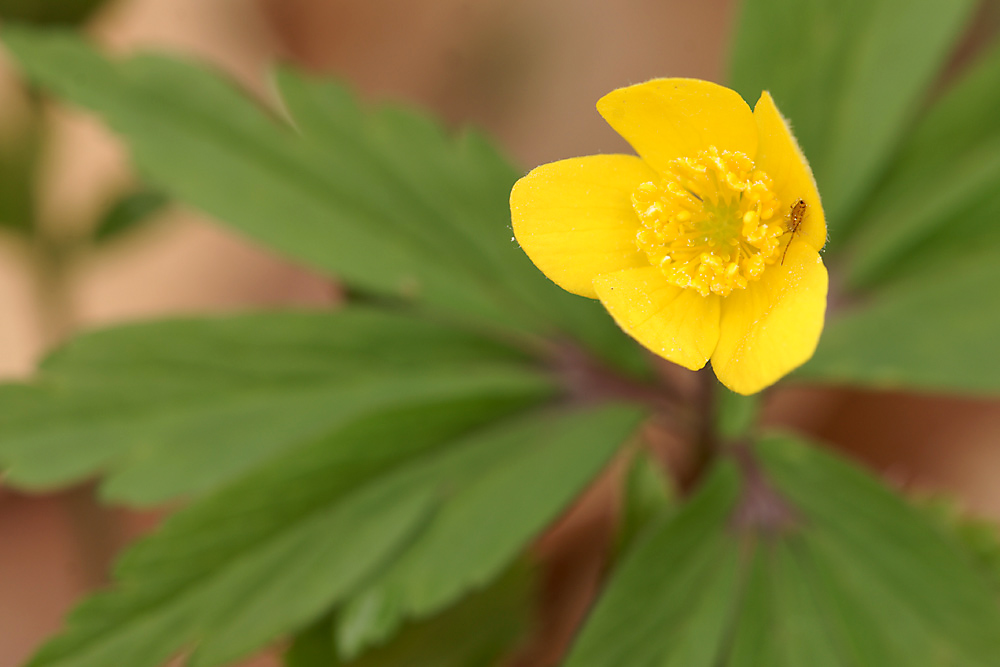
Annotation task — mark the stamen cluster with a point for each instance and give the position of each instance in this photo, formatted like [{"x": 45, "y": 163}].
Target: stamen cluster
[{"x": 711, "y": 224}]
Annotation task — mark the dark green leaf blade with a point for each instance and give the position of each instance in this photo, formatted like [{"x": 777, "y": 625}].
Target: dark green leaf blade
[
  {"x": 181, "y": 407},
  {"x": 474, "y": 632},
  {"x": 194, "y": 134},
  {"x": 753, "y": 643},
  {"x": 850, "y": 76},
  {"x": 517, "y": 495},
  {"x": 268, "y": 555},
  {"x": 313, "y": 647},
  {"x": 919, "y": 592},
  {"x": 381, "y": 198},
  {"x": 935, "y": 334},
  {"x": 648, "y": 495},
  {"x": 939, "y": 204},
  {"x": 21, "y": 144},
  {"x": 49, "y": 12},
  {"x": 808, "y": 634},
  {"x": 807, "y": 560},
  {"x": 646, "y": 613},
  {"x": 452, "y": 194},
  {"x": 978, "y": 537},
  {"x": 129, "y": 212}
]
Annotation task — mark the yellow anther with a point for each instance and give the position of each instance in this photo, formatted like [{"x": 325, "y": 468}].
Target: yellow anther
[{"x": 708, "y": 224}]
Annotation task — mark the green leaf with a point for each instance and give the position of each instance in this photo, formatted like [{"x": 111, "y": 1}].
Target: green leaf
[
  {"x": 806, "y": 560},
  {"x": 518, "y": 496},
  {"x": 648, "y": 610},
  {"x": 850, "y": 75},
  {"x": 735, "y": 415},
  {"x": 929, "y": 244},
  {"x": 648, "y": 495},
  {"x": 980, "y": 538},
  {"x": 128, "y": 212},
  {"x": 20, "y": 150},
  {"x": 921, "y": 595},
  {"x": 474, "y": 632},
  {"x": 181, "y": 407},
  {"x": 378, "y": 502},
  {"x": 313, "y": 647},
  {"x": 781, "y": 621},
  {"x": 941, "y": 199},
  {"x": 935, "y": 334},
  {"x": 49, "y": 12},
  {"x": 383, "y": 198},
  {"x": 454, "y": 192}
]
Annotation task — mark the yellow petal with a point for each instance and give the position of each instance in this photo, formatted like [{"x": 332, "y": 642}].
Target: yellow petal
[
  {"x": 677, "y": 324},
  {"x": 575, "y": 220},
  {"x": 773, "y": 325},
  {"x": 665, "y": 119},
  {"x": 779, "y": 155}
]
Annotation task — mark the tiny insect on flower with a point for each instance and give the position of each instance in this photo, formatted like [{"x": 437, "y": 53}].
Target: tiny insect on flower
[
  {"x": 689, "y": 245},
  {"x": 794, "y": 220}
]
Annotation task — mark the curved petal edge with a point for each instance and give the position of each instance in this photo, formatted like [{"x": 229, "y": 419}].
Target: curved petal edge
[
  {"x": 678, "y": 324},
  {"x": 774, "y": 325},
  {"x": 574, "y": 218}
]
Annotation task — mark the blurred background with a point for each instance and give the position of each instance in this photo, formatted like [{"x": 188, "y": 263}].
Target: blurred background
[{"x": 528, "y": 72}]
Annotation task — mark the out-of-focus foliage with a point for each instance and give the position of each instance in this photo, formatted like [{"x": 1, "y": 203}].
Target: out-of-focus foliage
[
  {"x": 979, "y": 537},
  {"x": 937, "y": 333},
  {"x": 476, "y": 631},
  {"x": 343, "y": 459},
  {"x": 374, "y": 518},
  {"x": 362, "y": 480},
  {"x": 179, "y": 408},
  {"x": 20, "y": 145},
  {"x": 49, "y": 12},
  {"x": 129, "y": 212},
  {"x": 937, "y": 209},
  {"x": 851, "y": 75},
  {"x": 805, "y": 561},
  {"x": 383, "y": 199},
  {"x": 911, "y": 197},
  {"x": 648, "y": 495}
]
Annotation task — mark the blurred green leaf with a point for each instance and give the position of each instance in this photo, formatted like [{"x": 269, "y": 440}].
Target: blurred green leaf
[
  {"x": 735, "y": 415},
  {"x": 940, "y": 203},
  {"x": 899, "y": 586},
  {"x": 128, "y": 212},
  {"x": 938, "y": 333},
  {"x": 980, "y": 538},
  {"x": 473, "y": 633},
  {"x": 927, "y": 251},
  {"x": 49, "y": 12},
  {"x": 801, "y": 560},
  {"x": 850, "y": 75},
  {"x": 518, "y": 496},
  {"x": 670, "y": 600},
  {"x": 411, "y": 496},
  {"x": 180, "y": 407},
  {"x": 313, "y": 647},
  {"x": 20, "y": 149},
  {"x": 648, "y": 495},
  {"x": 383, "y": 198}
]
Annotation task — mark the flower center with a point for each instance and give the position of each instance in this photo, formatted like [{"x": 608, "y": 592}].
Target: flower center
[{"x": 710, "y": 224}]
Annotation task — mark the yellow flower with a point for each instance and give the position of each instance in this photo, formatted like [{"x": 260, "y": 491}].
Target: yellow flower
[{"x": 706, "y": 246}]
